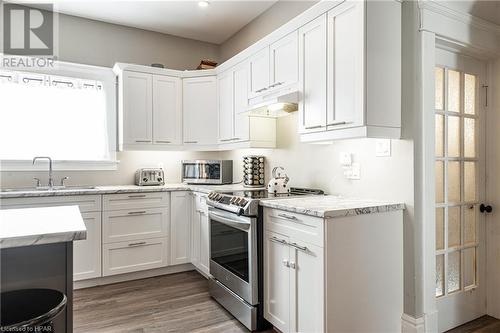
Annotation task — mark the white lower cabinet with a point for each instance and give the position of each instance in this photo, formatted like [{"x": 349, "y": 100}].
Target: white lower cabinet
[
  {"x": 200, "y": 234},
  {"x": 132, "y": 256},
  {"x": 87, "y": 253},
  {"x": 293, "y": 294},
  {"x": 327, "y": 275},
  {"x": 180, "y": 228}
]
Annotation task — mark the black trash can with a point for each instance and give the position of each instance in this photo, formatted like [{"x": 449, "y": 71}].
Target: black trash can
[{"x": 27, "y": 309}]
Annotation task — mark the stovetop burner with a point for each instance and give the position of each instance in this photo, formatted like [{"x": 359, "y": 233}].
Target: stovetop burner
[{"x": 246, "y": 202}]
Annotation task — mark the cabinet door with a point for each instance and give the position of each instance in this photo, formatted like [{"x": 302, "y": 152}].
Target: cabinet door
[
  {"x": 137, "y": 99},
  {"x": 241, "y": 120},
  {"x": 180, "y": 228},
  {"x": 167, "y": 110},
  {"x": 204, "y": 242},
  {"x": 87, "y": 253},
  {"x": 277, "y": 280},
  {"x": 345, "y": 65},
  {"x": 226, "y": 106},
  {"x": 195, "y": 238},
  {"x": 312, "y": 76},
  {"x": 284, "y": 60},
  {"x": 200, "y": 110},
  {"x": 306, "y": 287},
  {"x": 259, "y": 72}
]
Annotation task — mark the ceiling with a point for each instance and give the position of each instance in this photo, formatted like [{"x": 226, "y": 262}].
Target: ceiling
[
  {"x": 487, "y": 10},
  {"x": 214, "y": 23}
]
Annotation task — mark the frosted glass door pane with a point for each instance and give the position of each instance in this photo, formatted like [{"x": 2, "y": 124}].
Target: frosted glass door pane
[
  {"x": 470, "y": 94},
  {"x": 453, "y": 136},
  {"x": 453, "y": 279},
  {"x": 439, "y": 228},
  {"x": 469, "y": 181},
  {"x": 439, "y": 74},
  {"x": 439, "y": 135},
  {"x": 453, "y": 181},
  {"x": 439, "y": 275},
  {"x": 469, "y": 267},
  {"x": 453, "y": 226},
  {"x": 469, "y": 137},
  {"x": 470, "y": 224},
  {"x": 439, "y": 181},
  {"x": 453, "y": 91}
]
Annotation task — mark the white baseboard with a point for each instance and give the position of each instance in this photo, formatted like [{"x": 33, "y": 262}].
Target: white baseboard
[
  {"x": 132, "y": 276},
  {"x": 410, "y": 324}
]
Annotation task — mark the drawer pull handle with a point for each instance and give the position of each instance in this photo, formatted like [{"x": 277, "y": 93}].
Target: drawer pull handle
[
  {"x": 277, "y": 240},
  {"x": 137, "y": 213},
  {"x": 137, "y": 244},
  {"x": 137, "y": 196},
  {"x": 143, "y": 141},
  {"x": 314, "y": 127},
  {"x": 163, "y": 141},
  {"x": 298, "y": 247},
  {"x": 288, "y": 217},
  {"x": 337, "y": 123}
]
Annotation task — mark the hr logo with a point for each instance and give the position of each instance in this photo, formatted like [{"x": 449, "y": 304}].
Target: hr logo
[{"x": 28, "y": 31}]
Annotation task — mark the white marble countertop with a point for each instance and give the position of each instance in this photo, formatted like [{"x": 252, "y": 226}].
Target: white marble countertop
[
  {"x": 114, "y": 189},
  {"x": 330, "y": 206},
  {"x": 34, "y": 226}
]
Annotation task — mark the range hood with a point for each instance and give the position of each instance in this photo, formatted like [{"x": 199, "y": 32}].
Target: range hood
[{"x": 277, "y": 103}]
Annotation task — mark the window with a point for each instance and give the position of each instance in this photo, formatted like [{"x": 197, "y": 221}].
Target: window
[{"x": 69, "y": 118}]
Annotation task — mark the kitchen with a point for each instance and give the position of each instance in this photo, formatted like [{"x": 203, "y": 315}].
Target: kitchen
[{"x": 319, "y": 89}]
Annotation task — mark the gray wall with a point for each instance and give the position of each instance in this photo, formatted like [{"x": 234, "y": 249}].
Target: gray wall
[
  {"x": 97, "y": 43},
  {"x": 277, "y": 15}
]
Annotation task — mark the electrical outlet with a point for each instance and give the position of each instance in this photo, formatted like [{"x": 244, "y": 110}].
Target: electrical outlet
[
  {"x": 355, "y": 171},
  {"x": 345, "y": 159},
  {"x": 383, "y": 147}
]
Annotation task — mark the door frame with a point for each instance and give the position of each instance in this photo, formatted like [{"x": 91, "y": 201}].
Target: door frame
[{"x": 463, "y": 33}]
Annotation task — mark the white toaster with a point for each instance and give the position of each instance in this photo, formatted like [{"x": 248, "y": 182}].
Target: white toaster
[{"x": 149, "y": 177}]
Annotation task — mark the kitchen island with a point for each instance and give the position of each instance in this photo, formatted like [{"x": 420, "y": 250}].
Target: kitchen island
[{"x": 36, "y": 251}]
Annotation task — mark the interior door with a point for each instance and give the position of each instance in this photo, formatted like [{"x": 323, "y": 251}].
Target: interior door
[{"x": 460, "y": 188}]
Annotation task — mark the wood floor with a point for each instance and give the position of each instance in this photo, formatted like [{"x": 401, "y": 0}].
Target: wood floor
[
  {"x": 485, "y": 324},
  {"x": 170, "y": 303}
]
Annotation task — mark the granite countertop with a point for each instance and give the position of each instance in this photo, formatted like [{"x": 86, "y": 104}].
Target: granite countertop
[
  {"x": 330, "y": 206},
  {"x": 34, "y": 226},
  {"x": 115, "y": 189}
]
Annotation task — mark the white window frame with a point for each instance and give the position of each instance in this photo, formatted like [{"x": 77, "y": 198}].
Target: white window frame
[{"x": 108, "y": 79}]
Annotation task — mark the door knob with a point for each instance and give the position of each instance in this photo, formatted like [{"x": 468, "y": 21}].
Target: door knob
[{"x": 485, "y": 208}]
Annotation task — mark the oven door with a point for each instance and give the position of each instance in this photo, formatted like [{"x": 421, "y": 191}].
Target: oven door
[
  {"x": 202, "y": 172},
  {"x": 233, "y": 253}
]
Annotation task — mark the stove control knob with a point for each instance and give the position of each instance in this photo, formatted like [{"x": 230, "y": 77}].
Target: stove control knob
[{"x": 243, "y": 202}]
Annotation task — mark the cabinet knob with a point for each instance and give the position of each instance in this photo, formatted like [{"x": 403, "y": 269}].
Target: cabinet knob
[
  {"x": 292, "y": 265},
  {"x": 286, "y": 263}
]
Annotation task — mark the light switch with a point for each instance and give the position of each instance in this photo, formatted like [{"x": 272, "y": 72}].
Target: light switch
[{"x": 383, "y": 147}]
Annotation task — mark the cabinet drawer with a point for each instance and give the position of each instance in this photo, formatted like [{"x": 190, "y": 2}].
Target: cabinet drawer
[
  {"x": 302, "y": 227},
  {"x": 135, "y": 200},
  {"x": 126, "y": 257},
  {"x": 126, "y": 225},
  {"x": 86, "y": 203}
]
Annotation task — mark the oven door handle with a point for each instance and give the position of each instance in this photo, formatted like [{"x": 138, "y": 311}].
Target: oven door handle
[{"x": 235, "y": 223}]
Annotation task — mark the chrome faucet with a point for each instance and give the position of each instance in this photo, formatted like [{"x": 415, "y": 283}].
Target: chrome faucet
[{"x": 51, "y": 178}]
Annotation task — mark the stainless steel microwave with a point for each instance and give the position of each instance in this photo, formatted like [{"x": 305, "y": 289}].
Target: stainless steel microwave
[{"x": 207, "y": 172}]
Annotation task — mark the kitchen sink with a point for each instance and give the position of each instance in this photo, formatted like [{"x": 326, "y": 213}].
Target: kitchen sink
[{"x": 45, "y": 189}]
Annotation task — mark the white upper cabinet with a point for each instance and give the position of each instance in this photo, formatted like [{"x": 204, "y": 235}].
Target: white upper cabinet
[
  {"x": 167, "y": 110},
  {"x": 225, "y": 85},
  {"x": 312, "y": 75},
  {"x": 241, "y": 120},
  {"x": 345, "y": 54},
  {"x": 284, "y": 67},
  {"x": 200, "y": 110},
  {"x": 363, "y": 68},
  {"x": 259, "y": 73},
  {"x": 137, "y": 113}
]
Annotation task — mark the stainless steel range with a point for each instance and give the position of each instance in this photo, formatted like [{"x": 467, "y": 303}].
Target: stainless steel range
[{"x": 236, "y": 249}]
